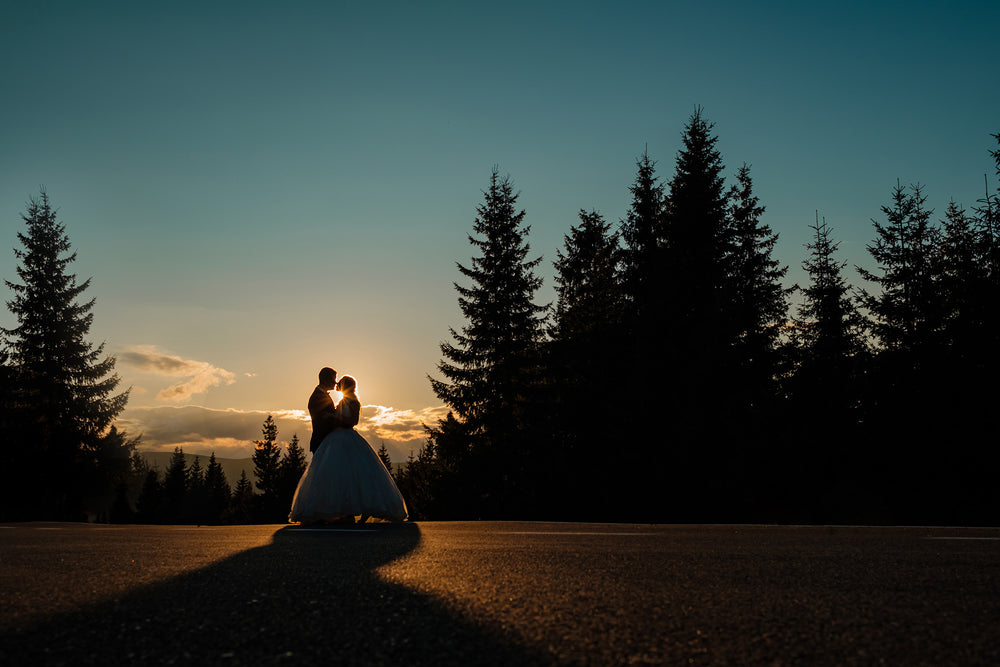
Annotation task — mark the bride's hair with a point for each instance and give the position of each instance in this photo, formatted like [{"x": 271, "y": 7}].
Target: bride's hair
[{"x": 348, "y": 383}]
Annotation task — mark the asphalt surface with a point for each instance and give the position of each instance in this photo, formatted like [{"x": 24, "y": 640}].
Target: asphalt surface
[{"x": 498, "y": 594}]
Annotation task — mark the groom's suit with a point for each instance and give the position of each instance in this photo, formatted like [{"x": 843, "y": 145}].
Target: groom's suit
[{"x": 323, "y": 415}]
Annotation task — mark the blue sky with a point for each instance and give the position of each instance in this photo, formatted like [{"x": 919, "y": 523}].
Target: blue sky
[{"x": 260, "y": 189}]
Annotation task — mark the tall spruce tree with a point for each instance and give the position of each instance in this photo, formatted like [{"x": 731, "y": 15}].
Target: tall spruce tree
[
  {"x": 217, "y": 487},
  {"x": 988, "y": 216},
  {"x": 267, "y": 468},
  {"x": 830, "y": 328},
  {"x": 63, "y": 387},
  {"x": 970, "y": 285},
  {"x": 175, "y": 488},
  {"x": 292, "y": 465},
  {"x": 196, "y": 498},
  {"x": 383, "y": 454},
  {"x": 907, "y": 315},
  {"x": 907, "y": 311},
  {"x": 585, "y": 356},
  {"x": 696, "y": 394},
  {"x": 642, "y": 236},
  {"x": 964, "y": 277},
  {"x": 241, "y": 508},
  {"x": 643, "y": 285},
  {"x": 758, "y": 306},
  {"x": 830, "y": 354},
  {"x": 588, "y": 310},
  {"x": 491, "y": 370},
  {"x": 697, "y": 248},
  {"x": 988, "y": 232}
]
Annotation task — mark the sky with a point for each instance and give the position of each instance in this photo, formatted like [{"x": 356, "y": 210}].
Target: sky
[{"x": 260, "y": 189}]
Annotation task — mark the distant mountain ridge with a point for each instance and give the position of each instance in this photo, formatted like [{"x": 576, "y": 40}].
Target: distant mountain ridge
[{"x": 231, "y": 467}]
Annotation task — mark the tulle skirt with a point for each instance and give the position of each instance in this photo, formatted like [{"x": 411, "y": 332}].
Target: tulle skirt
[{"x": 346, "y": 478}]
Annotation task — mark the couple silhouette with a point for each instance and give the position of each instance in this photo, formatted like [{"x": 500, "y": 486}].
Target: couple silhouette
[{"x": 346, "y": 481}]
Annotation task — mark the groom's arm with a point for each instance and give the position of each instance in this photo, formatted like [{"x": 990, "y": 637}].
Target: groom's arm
[{"x": 323, "y": 411}]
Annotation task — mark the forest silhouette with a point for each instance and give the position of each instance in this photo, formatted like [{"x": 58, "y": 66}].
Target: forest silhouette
[
  {"x": 821, "y": 403},
  {"x": 856, "y": 406}
]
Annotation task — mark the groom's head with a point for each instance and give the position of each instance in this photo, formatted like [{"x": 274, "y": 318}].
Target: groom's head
[{"x": 328, "y": 379}]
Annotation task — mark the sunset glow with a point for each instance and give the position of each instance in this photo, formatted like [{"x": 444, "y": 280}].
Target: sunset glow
[{"x": 257, "y": 198}]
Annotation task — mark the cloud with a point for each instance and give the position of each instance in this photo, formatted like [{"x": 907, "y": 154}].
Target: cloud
[
  {"x": 404, "y": 425},
  {"x": 401, "y": 431},
  {"x": 201, "y": 375},
  {"x": 230, "y": 433},
  {"x": 200, "y": 430}
]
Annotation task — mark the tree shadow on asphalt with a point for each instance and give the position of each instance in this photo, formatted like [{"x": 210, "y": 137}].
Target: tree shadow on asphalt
[{"x": 309, "y": 597}]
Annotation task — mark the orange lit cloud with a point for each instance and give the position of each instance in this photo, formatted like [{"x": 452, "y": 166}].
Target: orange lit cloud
[
  {"x": 385, "y": 422},
  {"x": 201, "y": 375},
  {"x": 230, "y": 433},
  {"x": 198, "y": 430},
  {"x": 401, "y": 431}
]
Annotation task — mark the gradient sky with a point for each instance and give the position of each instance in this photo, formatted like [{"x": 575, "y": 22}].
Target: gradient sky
[{"x": 259, "y": 189}]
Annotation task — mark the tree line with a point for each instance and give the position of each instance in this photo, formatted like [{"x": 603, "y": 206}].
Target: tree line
[
  {"x": 191, "y": 494},
  {"x": 676, "y": 377}
]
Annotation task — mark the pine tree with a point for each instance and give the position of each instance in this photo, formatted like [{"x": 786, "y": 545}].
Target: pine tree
[
  {"x": 150, "y": 504},
  {"x": 196, "y": 496},
  {"x": 970, "y": 284},
  {"x": 138, "y": 466},
  {"x": 697, "y": 248},
  {"x": 830, "y": 357},
  {"x": 107, "y": 469},
  {"x": 758, "y": 302},
  {"x": 695, "y": 392},
  {"x": 644, "y": 288},
  {"x": 293, "y": 465},
  {"x": 218, "y": 491},
  {"x": 588, "y": 307},
  {"x": 175, "y": 487},
  {"x": 643, "y": 235},
  {"x": 64, "y": 390},
  {"x": 988, "y": 233},
  {"x": 988, "y": 218},
  {"x": 908, "y": 317},
  {"x": 964, "y": 276},
  {"x": 383, "y": 454},
  {"x": 266, "y": 463},
  {"x": 907, "y": 314},
  {"x": 830, "y": 327},
  {"x": 492, "y": 370},
  {"x": 585, "y": 353},
  {"x": 242, "y": 503}
]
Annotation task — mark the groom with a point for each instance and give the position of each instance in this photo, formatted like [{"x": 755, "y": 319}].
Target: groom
[{"x": 321, "y": 409}]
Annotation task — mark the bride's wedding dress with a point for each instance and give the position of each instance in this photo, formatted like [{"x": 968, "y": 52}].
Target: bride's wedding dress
[{"x": 346, "y": 478}]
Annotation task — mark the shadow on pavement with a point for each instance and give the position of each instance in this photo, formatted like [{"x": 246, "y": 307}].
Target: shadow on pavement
[{"x": 309, "y": 597}]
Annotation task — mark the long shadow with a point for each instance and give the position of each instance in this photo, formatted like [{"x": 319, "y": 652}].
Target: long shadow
[{"x": 306, "y": 598}]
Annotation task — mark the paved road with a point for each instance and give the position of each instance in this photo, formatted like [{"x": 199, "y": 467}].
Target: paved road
[{"x": 498, "y": 594}]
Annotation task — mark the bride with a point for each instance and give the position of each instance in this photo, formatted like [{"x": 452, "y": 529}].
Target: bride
[{"x": 346, "y": 478}]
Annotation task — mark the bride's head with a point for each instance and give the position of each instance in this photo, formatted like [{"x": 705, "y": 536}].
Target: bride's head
[{"x": 348, "y": 385}]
